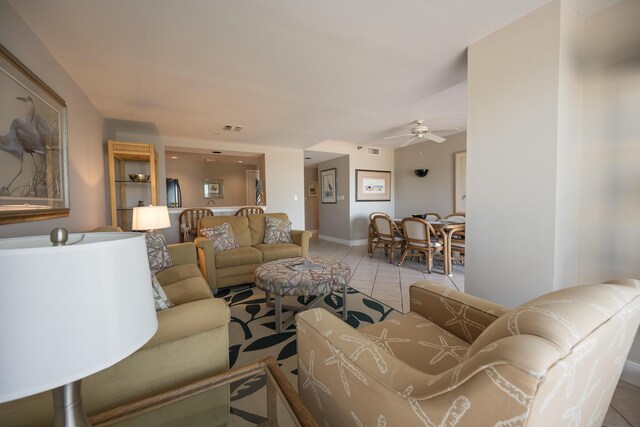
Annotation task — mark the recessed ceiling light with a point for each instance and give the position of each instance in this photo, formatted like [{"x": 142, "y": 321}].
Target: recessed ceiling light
[
  {"x": 217, "y": 152},
  {"x": 239, "y": 161},
  {"x": 173, "y": 157}
]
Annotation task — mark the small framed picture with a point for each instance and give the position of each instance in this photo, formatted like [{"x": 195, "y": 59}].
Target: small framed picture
[
  {"x": 312, "y": 188},
  {"x": 329, "y": 189},
  {"x": 373, "y": 186},
  {"x": 213, "y": 189}
]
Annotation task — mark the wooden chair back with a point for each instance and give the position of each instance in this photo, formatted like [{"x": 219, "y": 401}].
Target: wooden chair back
[
  {"x": 456, "y": 217},
  {"x": 418, "y": 232},
  {"x": 432, "y": 216},
  {"x": 249, "y": 210},
  {"x": 384, "y": 227},
  {"x": 188, "y": 221}
]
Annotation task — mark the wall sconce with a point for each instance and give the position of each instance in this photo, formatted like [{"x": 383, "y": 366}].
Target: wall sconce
[{"x": 421, "y": 172}]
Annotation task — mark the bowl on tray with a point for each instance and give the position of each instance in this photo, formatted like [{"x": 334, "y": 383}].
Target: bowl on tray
[{"x": 139, "y": 177}]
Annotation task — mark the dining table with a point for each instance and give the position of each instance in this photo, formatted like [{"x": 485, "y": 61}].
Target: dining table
[{"x": 446, "y": 228}]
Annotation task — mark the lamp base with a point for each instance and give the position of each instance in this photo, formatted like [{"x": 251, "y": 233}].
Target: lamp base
[{"x": 67, "y": 405}]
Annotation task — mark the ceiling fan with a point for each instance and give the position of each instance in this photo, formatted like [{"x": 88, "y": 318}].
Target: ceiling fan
[{"x": 420, "y": 131}]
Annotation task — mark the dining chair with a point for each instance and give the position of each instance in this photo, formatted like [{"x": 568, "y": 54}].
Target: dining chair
[
  {"x": 249, "y": 210},
  {"x": 372, "y": 236},
  {"x": 188, "y": 221},
  {"x": 456, "y": 217},
  {"x": 457, "y": 238},
  {"x": 388, "y": 235},
  {"x": 420, "y": 237},
  {"x": 432, "y": 216}
]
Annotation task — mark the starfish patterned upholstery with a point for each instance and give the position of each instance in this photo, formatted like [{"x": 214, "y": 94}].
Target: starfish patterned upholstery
[{"x": 456, "y": 360}]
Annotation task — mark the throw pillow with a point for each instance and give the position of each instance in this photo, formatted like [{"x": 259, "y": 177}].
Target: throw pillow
[
  {"x": 157, "y": 251},
  {"x": 222, "y": 237},
  {"x": 277, "y": 230},
  {"x": 159, "y": 296}
]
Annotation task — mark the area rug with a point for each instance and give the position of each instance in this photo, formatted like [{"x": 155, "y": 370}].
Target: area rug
[{"x": 252, "y": 333}]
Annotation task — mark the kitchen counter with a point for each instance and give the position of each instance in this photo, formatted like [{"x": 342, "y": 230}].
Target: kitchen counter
[{"x": 172, "y": 234}]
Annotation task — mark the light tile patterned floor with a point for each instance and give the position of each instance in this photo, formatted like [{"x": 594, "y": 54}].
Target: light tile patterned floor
[{"x": 390, "y": 284}]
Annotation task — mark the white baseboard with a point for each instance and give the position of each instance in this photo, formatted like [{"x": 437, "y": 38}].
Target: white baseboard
[
  {"x": 343, "y": 241},
  {"x": 631, "y": 373}
]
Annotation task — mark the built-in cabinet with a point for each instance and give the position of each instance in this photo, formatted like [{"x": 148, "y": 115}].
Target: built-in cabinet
[{"x": 127, "y": 158}]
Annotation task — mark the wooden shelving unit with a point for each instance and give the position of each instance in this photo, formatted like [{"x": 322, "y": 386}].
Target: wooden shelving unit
[{"x": 126, "y": 158}]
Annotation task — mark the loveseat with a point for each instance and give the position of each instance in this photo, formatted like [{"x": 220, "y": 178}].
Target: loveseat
[
  {"x": 459, "y": 360},
  {"x": 191, "y": 343},
  {"x": 237, "y": 266}
]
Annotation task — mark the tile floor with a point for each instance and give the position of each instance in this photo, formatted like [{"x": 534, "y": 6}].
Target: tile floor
[{"x": 390, "y": 284}]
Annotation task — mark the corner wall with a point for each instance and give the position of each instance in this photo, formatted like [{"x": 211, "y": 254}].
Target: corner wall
[
  {"x": 333, "y": 218},
  {"x": 358, "y": 220},
  {"x": 511, "y": 159},
  {"x": 88, "y": 198}
]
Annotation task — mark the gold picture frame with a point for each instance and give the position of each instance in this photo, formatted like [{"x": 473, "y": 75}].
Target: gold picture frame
[
  {"x": 373, "y": 186},
  {"x": 34, "y": 164}
]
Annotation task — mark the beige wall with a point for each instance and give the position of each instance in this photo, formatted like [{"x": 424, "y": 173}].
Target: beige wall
[
  {"x": 85, "y": 133},
  {"x": 311, "y": 208},
  {"x": 553, "y": 149},
  {"x": 192, "y": 174},
  {"x": 610, "y": 178},
  {"x": 511, "y": 159},
  {"x": 435, "y": 192},
  {"x": 334, "y": 220}
]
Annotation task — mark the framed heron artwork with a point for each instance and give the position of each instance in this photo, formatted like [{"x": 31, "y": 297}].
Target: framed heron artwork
[
  {"x": 328, "y": 186},
  {"x": 34, "y": 183}
]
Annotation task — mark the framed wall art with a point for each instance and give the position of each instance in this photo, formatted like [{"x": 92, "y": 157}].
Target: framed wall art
[
  {"x": 34, "y": 177},
  {"x": 373, "y": 186},
  {"x": 328, "y": 186},
  {"x": 312, "y": 189},
  {"x": 213, "y": 189}
]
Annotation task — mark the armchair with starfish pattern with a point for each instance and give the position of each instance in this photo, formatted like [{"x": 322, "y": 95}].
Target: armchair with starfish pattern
[{"x": 457, "y": 360}]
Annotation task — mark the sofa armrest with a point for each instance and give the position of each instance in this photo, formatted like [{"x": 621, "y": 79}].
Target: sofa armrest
[
  {"x": 189, "y": 319},
  {"x": 207, "y": 260},
  {"x": 463, "y": 315},
  {"x": 183, "y": 253},
  {"x": 301, "y": 238}
]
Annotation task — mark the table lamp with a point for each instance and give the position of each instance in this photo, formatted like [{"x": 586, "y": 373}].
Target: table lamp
[
  {"x": 150, "y": 218},
  {"x": 70, "y": 306}
]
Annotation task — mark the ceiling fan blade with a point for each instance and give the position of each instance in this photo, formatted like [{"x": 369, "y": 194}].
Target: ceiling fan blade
[
  {"x": 398, "y": 136},
  {"x": 408, "y": 141},
  {"x": 433, "y": 137},
  {"x": 446, "y": 130}
]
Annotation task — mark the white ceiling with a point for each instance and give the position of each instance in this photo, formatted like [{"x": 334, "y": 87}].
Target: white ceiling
[{"x": 293, "y": 73}]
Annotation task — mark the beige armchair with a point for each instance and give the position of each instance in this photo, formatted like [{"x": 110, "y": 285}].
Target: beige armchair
[{"x": 459, "y": 360}]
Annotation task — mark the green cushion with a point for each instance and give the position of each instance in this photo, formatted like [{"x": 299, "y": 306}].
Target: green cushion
[
  {"x": 273, "y": 251},
  {"x": 238, "y": 256}
]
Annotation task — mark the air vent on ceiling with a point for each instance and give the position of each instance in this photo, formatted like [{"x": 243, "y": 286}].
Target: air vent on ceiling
[
  {"x": 232, "y": 128},
  {"x": 373, "y": 151}
]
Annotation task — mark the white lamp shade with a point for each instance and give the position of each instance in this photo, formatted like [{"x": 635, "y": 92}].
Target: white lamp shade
[
  {"x": 150, "y": 218},
  {"x": 69, "y": 311}
]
